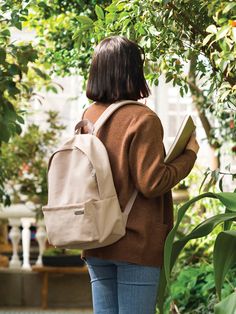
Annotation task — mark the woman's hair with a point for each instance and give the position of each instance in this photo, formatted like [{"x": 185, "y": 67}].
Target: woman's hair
[{"x": 116, "y": 71}]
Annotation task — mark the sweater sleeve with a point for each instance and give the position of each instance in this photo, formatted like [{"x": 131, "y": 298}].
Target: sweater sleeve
[{"x": 151, "y": 176}]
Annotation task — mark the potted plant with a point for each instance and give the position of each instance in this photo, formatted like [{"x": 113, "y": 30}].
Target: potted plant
[{"x": 62, "y": 257}]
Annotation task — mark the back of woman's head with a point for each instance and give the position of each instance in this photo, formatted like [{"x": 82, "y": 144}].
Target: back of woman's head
[{"x": 116, "y": 71}]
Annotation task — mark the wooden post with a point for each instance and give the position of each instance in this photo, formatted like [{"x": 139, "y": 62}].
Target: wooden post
[{"x": 44, "y": 291}]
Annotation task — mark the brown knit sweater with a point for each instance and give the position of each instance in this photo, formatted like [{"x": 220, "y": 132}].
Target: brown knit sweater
[{"x": 133, "y": 137}]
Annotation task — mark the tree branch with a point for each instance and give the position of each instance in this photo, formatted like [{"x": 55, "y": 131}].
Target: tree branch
[
  {"x": 199, "y": 99},
  {"x": 195, "y": 28}
]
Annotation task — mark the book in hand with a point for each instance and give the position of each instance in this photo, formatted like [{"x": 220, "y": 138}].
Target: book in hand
[{"x": 181, "y": 140}]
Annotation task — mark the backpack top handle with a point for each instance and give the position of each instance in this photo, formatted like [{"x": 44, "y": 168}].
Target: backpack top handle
[{"x": 84, "y": 123}]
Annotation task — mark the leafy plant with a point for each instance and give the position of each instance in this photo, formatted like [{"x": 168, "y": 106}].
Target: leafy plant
[
  {"x": 55, "y": 23},
  {"x": 173, "y": 247},
  {"x": 15, "y": 58},
  {"x": 197, "y": 255},
  {"x": 24, "y": 160},
  {"x": 192, "y": 289},
  {"x": 19, "y": 75}
]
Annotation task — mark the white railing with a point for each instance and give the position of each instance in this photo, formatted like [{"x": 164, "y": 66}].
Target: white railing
[{"x": 23, "y": 215}]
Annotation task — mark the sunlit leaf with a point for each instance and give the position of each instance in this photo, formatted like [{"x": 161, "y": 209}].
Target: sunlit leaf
[
  {"x": 206, "y": 39},
  {"x": 229, "y": 7},
  {"x": 84, "y": 19},
  {"x": 99, "y": 12},
  {"x": 211, "y": 29},
  {"x": 222, "y": 32}
]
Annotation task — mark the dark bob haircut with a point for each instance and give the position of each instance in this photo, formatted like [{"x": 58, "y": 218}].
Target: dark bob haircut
[{"x": 116, "y": 71}]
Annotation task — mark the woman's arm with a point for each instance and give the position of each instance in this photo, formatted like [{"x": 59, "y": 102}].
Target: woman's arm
[{"x": 151, "y": 176}]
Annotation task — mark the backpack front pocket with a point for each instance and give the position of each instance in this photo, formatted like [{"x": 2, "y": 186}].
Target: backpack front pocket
[{"x": 71, "y": 226}]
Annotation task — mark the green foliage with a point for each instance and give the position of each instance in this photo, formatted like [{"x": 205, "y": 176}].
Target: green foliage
[
  {"x": 55, "y": 23},
  {"x": 15, "y": 59},
  {"x": 173, "y": 247},
  {"x": 198, "y": 253},
  {"x": 24, "y": 161},
  {"x": 225, "y": 131},
  {"x": 193, "y": 289},
  {"x": 11, "y": 76},
  {"x": 16, "y": 81},
  {"x": 221, "y": 44}
]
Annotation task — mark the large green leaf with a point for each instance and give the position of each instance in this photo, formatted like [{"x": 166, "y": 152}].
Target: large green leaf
[
  {"x": 225, "y": 241},
  {"x": 175, "y": 248},
  {"x": 161, "y": 291},
  {"x": 227, "y": 306},
  {"x": 228, "y": 199},
  {"x": 171, "y": 252},
  {"x": 172, "y": 249},
  {"x": 203, "y": 229}
]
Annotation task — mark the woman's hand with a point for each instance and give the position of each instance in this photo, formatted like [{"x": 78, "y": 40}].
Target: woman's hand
[{"x": 193, "y": 144}]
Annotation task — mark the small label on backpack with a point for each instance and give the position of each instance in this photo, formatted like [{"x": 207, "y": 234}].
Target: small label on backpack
[{"x": 79, "y": 212}]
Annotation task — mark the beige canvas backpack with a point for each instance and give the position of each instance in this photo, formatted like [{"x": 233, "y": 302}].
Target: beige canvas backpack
[{"x": 83, "y": 210}]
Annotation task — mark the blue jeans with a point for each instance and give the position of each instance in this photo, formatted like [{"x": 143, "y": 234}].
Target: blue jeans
[{"x": 123, "y": 288}]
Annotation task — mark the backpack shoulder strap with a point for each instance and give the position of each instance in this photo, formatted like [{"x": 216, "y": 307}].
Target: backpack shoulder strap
[
  {"x": 130, "y": 203},
  {"x": 101, "y": 120},
  {"x": 109, "y": 111}
]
